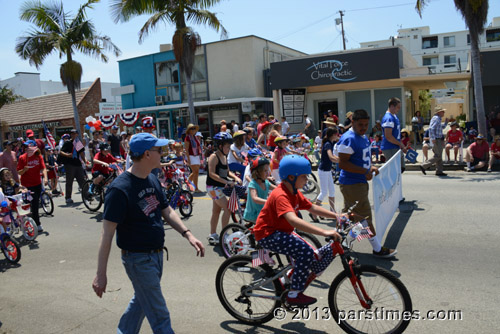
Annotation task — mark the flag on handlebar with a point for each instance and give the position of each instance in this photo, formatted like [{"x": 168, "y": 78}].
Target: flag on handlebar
[
  {"x": 232, "y": 205},
  {"x": 50, "y": 140},
  {"x": 260, "y": 257},
  {"x": 365, "y": 232}
]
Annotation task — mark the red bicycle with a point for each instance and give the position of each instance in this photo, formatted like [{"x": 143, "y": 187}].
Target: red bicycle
[{"x": 254, "y": 294}]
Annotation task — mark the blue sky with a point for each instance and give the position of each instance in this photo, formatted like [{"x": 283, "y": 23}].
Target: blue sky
[{"x": 307, "y": 26}]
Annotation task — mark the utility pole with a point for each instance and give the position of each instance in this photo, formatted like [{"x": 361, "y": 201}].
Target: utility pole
[{"x": 342, "y": 26}]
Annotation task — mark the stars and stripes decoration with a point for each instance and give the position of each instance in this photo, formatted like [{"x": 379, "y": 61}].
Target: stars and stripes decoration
[
  {"x": 149, "y": 204},
  {"x": 365, "y": 232},
  {"x": 260, "y": 257},
  {"x": 232, "y": 205},
  {"x": 108, "y": 121},
  {"x": 50, "y": 140},
  {"x": 129, "y": 119}
]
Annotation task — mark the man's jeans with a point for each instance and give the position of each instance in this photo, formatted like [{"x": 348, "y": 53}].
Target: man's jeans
[{"x": 145, "y": 270}]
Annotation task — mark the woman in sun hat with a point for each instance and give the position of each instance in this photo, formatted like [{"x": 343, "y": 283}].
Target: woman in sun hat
[{"x": 192, "y": 146}]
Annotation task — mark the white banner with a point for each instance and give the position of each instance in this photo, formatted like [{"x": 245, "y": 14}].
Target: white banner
[{"x": 387, "y": 192}]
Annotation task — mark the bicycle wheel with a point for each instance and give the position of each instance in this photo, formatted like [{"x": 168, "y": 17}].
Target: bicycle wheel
[
  {"x": 46, "y": 203},
  {"x": 236, "y": 274},
  {"x": 310, "y": 238},
  {"x": 236, "y": 239},
  {"x": 310, "y": 190},
  {"x": 185, "y": 208},
  {"x": 30, "y": 230},
  {"x": 92, "y": 201},
  {"x": 10, "y": 249},
  {"x": 387, "y": 293}
]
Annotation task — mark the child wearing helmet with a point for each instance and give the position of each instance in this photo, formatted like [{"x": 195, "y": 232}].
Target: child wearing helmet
[
  {"x": 278, "y": 219},
  {"x": 258, "y": 189},
  {"x": 217, "y": 179},
  {"x": 101, "y": 169},
  {"x": 238, "y": 149},
  {"x": 253, "y": 154},
  {"x": 278, "y": 154}
]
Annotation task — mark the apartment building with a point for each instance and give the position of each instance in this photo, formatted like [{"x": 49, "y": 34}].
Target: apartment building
[{"x": 443, "y": 52}]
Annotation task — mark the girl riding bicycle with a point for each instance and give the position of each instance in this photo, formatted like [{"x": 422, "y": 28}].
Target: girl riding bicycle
[
  {"x": 9, "y": 186},
  {"x": 279, "y": 217},
  {"x": 278, "y": 154}
]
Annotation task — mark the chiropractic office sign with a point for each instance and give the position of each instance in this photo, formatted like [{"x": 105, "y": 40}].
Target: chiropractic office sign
[{"x": 345, "y": 67}]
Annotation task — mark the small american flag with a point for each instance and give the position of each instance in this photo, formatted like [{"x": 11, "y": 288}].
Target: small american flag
[
  {"x": 232, "y": 205},
  {"x": 50, "y": 140},
  {"x": 78, "y": 144},
  {"x": 365, "y": 232},
  {"x": 260, "y": 257}
]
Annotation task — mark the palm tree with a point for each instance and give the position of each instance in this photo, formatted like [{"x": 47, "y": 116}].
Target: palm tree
[
  {"x": 475, "y": 14},
  {"x": 185, "y": 40},
  {"x": 7, "y": 96},
  {"x": 57, "y": 31}
]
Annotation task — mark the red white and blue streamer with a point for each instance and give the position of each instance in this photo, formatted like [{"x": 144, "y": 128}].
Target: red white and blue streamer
[
  {"x": 129, "y": 119},
  {"x": 108, "y": 121}
]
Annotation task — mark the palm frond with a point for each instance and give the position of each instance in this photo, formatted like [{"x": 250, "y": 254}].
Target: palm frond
[
  {"x": 47, "y": 18},
  {"x": 124, "y": 10},
  {"x": 152, "y": 23},
  {"x": 71, "y": 74},
  {"x": 36, "y": 46},
  {"x": 419, "y": 6},
  {"x": 475, "y": 14},
  {"x": 206, "y": 18}
]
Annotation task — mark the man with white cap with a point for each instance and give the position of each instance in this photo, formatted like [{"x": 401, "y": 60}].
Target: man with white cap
[
  {"x": 437, "y": 138},
  {"x": 134, "y": 207}
]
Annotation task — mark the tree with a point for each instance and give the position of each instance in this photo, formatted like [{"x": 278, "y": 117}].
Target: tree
[
  {"x": 475, "y": 14},
  {"x": 185, "y": 40},
  {"x": 7, "y": 96},
  {"x": 57, "y": 31}
]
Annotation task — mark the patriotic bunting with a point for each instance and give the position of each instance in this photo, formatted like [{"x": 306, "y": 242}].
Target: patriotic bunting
[{"x": 129, "y": 119}]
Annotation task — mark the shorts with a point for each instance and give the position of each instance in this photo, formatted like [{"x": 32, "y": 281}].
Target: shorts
[
  {"x": 97, "y": 173},
  {"x": 51, "y": 174},
  {"x": 215, "y": 193},
  {"x": 195, "y": 159},
  {"x": 457, "y": 144}
]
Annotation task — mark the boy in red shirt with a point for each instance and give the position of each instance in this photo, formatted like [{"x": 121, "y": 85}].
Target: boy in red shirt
[
  {"x": 29, "y": 166},
  {"x": 495, "y": 153},
  {"x": 453, "y": 139},
  {"x": 278, "y": 219},
  {"x": 101, "y": 169}
]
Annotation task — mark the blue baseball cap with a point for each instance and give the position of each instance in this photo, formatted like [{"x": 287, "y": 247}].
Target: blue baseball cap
[
  {"x": 30, "y": 142},
  {"x": 142, "y": 142}
]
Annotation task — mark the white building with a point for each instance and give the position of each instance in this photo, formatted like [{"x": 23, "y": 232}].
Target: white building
[
  {"x": 444, "y": 52},
  {"x": 28, "y": 84}
]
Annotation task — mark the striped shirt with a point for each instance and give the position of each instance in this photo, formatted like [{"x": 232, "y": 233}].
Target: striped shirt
[{"x": 435, "y": 128}]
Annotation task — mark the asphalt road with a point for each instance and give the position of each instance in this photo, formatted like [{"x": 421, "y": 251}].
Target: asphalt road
[{"x": 446, "y": 234}]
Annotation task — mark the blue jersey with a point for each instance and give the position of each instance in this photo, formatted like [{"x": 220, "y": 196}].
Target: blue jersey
[
  {"x": 359, "y": 149},
  {"x": 390, "y": 121}
]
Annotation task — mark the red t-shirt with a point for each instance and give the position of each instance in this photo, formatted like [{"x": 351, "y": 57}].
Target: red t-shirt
[
  {"x": 271, "y": 217},
  {"x": 479, "y": 151},
  {"x": 454, "y": 137},
  {"x": 278, "y": 154},
  {"x": 35, "y": 164},
  {"x": 495, "y": 149},
  {"x": 109, "y": 159}
]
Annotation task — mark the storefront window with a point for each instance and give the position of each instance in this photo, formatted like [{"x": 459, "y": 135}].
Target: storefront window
[
  {"x": 358, "y": 100},
  {"x": 199, "y": 70},
  {"x": 167, "y": 73},
  {"x": 382, "y": 97}
]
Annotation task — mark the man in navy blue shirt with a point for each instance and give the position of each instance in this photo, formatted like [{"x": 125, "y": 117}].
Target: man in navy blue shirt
[
  {"x": 134, "y": 206},
  {"x": 356, "y": 171},
  {"x": 391, "y": 136}
]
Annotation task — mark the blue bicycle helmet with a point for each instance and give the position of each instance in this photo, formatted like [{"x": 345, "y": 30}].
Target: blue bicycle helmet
[
  {"x": 293, "y": 165},
  {"x": 254, "y": 152},
  {"x": 221, "y": 138}
]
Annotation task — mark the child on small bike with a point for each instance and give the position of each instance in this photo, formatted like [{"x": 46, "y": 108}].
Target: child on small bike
[
  {"x": 51, "y": 169},
  {"x": 179, "y": 161},
  {"x": 277, "y": 220},
  {"x": 258, "y": 189},
  {"x": 9, "y": 186},
  {"x": 278, "y": 154},
  {"x": 101, "y": 169}
]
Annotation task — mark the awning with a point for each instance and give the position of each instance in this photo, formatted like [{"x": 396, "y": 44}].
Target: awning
[{"x": 185, "y": 105}]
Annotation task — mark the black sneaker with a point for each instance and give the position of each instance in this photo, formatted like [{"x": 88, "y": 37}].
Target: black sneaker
[
  {"x": 441, "y": 174},
  {"x": 422, "y": 169},
  {"x": 385, "y": 252}
]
